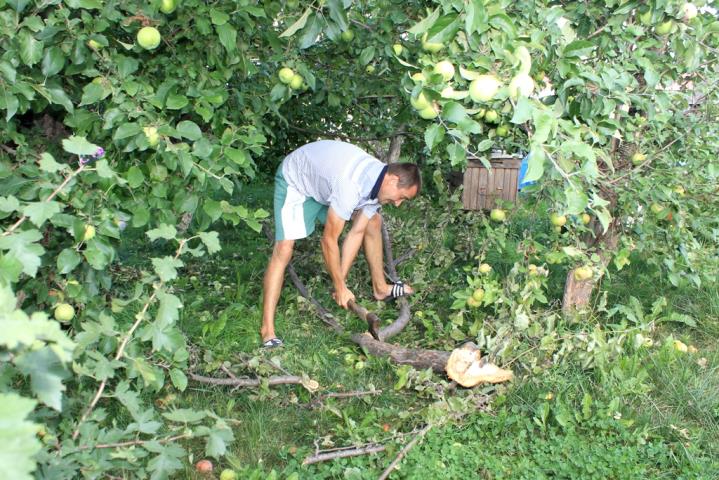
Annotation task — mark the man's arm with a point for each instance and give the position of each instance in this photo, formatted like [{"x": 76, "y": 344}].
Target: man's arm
[
  {"x": 353, "y": 242},
  {"x": 331, "y": 253}
]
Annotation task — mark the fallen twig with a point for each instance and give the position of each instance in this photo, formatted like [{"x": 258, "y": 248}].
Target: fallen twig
[
  {"x": 344, "y": 453},
  {"x": 250, "y": 382},
  {"x": 404, "y": 452},
  {"x": 131, "y": 443}
]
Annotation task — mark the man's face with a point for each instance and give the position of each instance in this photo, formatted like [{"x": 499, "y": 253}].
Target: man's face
[{"x": 390, "y": 193}]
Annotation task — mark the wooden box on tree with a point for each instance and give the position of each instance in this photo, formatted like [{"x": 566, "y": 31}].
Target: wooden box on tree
[{"x": 483, "y": 186}]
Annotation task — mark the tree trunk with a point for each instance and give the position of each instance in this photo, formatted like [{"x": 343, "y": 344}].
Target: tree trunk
[
  {"x": 578, "y": 293},
  {"x": 395, "y": 146}
]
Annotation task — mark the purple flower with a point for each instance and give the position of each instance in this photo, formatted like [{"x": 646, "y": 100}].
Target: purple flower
[
  {"x": 85, "y": 160},
  {"x": 100, "y": 152}
]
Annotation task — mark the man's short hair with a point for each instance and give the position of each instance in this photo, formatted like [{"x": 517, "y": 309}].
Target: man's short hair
[{"x": 408, "y": 174}]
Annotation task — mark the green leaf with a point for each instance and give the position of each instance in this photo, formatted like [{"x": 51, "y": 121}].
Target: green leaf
[
  {"x": 135, "y": 177},
  {"x": 523, "y": 111},
  {"x": 189, "y": 130},
  {"x": 503, "y": 23},
  {"x": 8, "y": 71},
  {"x": 166, "y": 267},
  {"x": 30, "y": 48},
  {"x": 240, "y": 157},
  {"x": 578, "y": 48},
  {"x": 165, "y": 231},
  {"x": 311, "y": 32},
  {"x": 476, "y": 18},
  {"x": 92, "y": 93},
  {"x": 433, "y": 135},
  {"x": 40, "y": 212},
  {"x": 485, "y": 145},
  {"x": 21, "y": 246},
  {"x": 544, "y": 124},
  {"x": 184, "y": 415},
  {"x": 218, "y": 439},
  {"x": 211, "y": 241},
  {"x": 576, "y": 200},
  {"x": 126, "y": 130},
  {"x": 59, "y": 97},
  {"x": 425, "y": 24},
  {"x": 176, "y": 102},
  {"x": 179, "y": 379},
  {"x": 218, "y": 17},
  {"x": 604, "y": 217},
  {"x": 52, "y": 61},
  {"x": 103, "y": 169},
  {"x": 366, "y": 55},
  {"x": 48, "y": 164},
  {"x": 228, "y": 37},
  {"x": 67, "y": 261},
  {"x": 535, "y": 165},
  {"x": 79, "y": 146},
  {"x": 299, "y": 24},
  {"x": 9, "y": 204},
  {"x": 338, "y": 14},
  {"x": 18, "y": 437},
  {"x": 166, "y": 462},
  {"x": 457, "y": 154},
  {"x": 444, "y": 29},
  {"x": 46, "y": 373},
  {"x": 10, "y": 269},
  {"x": 11, "y": 106},
  {"x": 454, "y": 112}
]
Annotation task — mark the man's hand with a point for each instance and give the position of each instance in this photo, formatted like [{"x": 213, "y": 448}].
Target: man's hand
[{"x": 343, "y": 296}]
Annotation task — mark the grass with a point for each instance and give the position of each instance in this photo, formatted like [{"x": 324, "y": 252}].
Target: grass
[{"x": 666, "y": 403}]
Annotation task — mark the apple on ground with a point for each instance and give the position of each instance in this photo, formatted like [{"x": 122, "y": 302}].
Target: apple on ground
[
  {"x": 497, "y": 215},
  {"x": 369, "y": 69},
  {"x": 228, "y": 474},
  {"x": 64, "y": 312},
  {"x": 168, "y": 6},
  {"x": 485, "y": 268},
  {"x": 638, "y": 158},
  {"x": 148, "y": 38},
  {"x": 204, "y": 466}
]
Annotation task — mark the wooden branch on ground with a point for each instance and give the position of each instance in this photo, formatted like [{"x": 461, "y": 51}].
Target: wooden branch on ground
[
  {"x": 344, "y": 453},
  {"x": 256, "y": 382},
  {"x": 404, "y": 452}
]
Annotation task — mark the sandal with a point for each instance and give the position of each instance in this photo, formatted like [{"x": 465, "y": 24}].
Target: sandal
[
  {"x": 272, "y": 343},
  {"x": 396, "y": 292}
]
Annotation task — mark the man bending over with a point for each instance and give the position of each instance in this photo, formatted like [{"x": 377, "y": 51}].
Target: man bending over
[{"x": 334, "y": 181}]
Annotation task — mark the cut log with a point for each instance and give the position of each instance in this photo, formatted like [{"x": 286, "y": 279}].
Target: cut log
[{"x": 467, "y": 367}]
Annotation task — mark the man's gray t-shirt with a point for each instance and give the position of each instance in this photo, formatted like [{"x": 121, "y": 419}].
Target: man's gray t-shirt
[{"x": 334, "y": 173}]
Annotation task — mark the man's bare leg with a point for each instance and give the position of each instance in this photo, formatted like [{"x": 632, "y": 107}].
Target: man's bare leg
[
  {"x": 272, "y": 285},
  {"x": 372, "y": 244}
]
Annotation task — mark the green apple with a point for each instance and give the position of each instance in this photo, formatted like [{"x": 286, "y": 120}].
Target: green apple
[
  {"x": 421, "y": 102},
  {"x": 502, "y": 130},
  {"x": 638, "y": 158},
  {"x": 558, "y": 220},
  {"x": 429, "y": 113},
  {"x": 89, "y": 232},
  {"x": 583, "y": 273},
  {"x": 369, "y": 69},
  {"x": 645, "y": 17},
  {"x": 444, "y": 68},
  {"x": 478, "y": 294},
  {"x": 485, "y": 268},
  {"x": 679, "y": 190},
  {"x": 296, "y": 81},
  {"x": 64, "y": 312},
  {"x": 398, "y": 49},
  {"x": 491, "y": 116},
  {"x": 167, "y": 6},
  {"x": 497, "y": 215},
  {"x": 533, "y": 270},
  {"x": 484, "y": 88},
  {"x": 664, "y": 28},
  {"x": 418, "y": 77},
  {"x": 586, "y": 218},
  {"x": 347, "y": 36},
  {"x": 94, "y": 44},
  {"x": 228, "y": 474},
  {"x": 153, "y": 138},
  {"x": 471, "y": 302},
  {"x": 431, "y": 47},
  {"x": 285, "y": 75},
  {"x": 148, "y": 38},
  {"x": 522, "y": 85}
]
